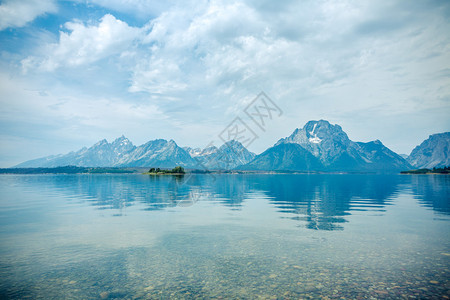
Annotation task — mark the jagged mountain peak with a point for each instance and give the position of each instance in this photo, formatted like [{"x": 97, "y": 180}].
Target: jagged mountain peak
[
  {"x": 317, "y": 131},
  {"x": 100, "y": 143},
  {"x": 320, "y": 123},
  {"x": 121, "y": 142},
  {"x": 122, "y": 138},
  {"x": 233, "y": 144}
]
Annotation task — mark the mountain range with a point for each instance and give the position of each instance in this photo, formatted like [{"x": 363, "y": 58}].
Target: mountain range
[
  {"x": 157, "y": 153},
  {"x": 318, "y": 146}
]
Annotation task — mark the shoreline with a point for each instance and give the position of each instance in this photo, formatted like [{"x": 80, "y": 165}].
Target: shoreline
[{"x": 143, "y": 171}]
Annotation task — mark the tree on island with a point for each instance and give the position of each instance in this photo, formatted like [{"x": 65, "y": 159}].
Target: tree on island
[
  {"x": 435, "y": 170},
  {"x": 176, "y": 170}
]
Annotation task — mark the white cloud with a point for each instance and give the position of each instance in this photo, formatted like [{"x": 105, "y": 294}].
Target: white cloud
[
  {"x": 238, "y": 44},
  {"x": 356, "y": 63},
  {"x": 183, "y": 41},
  {"x": 234, "y": 44},
  {"x": 17, "y": 13},
  {"x": 85, "y": 44}
]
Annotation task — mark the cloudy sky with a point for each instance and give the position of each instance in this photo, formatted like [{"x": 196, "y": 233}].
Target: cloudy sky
[{"x": 75, "y": 72}]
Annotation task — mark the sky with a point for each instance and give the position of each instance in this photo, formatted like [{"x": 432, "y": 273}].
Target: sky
[{"x": 75, "y": 72}]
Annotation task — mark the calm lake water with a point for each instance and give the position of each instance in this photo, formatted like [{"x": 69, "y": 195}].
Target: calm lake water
[{"x": 224, "y": 236}]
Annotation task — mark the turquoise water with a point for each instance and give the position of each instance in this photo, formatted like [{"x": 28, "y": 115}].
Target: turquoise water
[{"x": 224, "y": 236}]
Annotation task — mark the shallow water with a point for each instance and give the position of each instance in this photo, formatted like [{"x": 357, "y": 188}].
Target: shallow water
[{"x": 224, "y": 236}]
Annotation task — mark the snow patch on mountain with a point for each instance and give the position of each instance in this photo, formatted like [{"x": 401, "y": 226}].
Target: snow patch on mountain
[{"x": 314, "y": 139}]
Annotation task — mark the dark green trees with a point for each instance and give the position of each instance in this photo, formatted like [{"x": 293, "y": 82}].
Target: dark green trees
[
  {"x": 179, "y": 170},
  {"x": 176, "y": 170}
]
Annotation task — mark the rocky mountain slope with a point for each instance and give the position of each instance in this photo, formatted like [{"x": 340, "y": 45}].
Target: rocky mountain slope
[
  {"x": 228, "y": 156},
  {"x": 285, "y": 157},
  {"x": 433, "y": 152}
]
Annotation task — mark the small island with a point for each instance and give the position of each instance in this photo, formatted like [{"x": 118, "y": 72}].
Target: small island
[
  {"x": 442, "y": 170},
  {"x": 157, "y": 171}
]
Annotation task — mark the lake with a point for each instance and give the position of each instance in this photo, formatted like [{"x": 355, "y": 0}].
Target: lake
[{"x": 224, "y": 236}]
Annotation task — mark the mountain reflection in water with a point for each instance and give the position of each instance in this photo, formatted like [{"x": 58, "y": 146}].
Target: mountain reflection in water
[{"x": 320, "y": 201}]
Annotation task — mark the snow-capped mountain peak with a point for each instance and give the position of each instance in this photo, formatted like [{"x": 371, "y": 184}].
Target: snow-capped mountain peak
[{"x": 331, "y": 145}]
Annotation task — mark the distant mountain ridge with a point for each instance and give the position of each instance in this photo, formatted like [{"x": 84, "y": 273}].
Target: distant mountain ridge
[
  {"x": 318, "y": 146},
  {"x": 157, "y": 153}
]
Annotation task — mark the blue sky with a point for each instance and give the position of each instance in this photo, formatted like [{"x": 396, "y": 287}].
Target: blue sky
[{"x": 75, "y": 72}]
